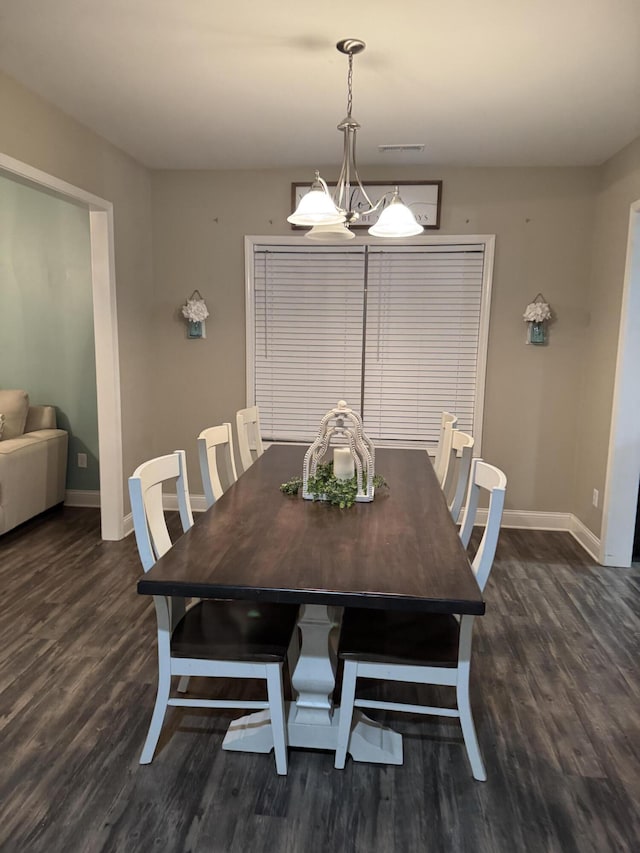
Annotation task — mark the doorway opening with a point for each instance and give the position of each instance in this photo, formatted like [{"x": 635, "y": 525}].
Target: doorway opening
[{"x": 105, "y": 332}]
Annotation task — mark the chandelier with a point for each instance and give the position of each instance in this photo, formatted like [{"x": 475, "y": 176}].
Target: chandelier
[{"x": 330, "y": 216}]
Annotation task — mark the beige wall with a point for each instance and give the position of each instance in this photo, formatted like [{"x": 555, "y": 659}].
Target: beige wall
[
  {"x": 618, "y": 188},
  {"x": 559, "y": 231},
  {"x": 542, "y": 219},
  {"x": 36, "y": 133}
]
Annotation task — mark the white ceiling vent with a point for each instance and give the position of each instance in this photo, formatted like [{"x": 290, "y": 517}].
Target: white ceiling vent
[{"x": 403, "y": 146}]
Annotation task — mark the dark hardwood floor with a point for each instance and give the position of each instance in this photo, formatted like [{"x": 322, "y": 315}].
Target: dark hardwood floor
[{"x": 555, "y": 691}]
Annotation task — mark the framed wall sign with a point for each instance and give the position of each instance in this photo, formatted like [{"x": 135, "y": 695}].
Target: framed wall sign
[{"x": 424, "y": 198}]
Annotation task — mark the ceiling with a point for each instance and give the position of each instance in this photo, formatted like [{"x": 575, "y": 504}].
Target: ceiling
[{"x": 259, "y": 84}]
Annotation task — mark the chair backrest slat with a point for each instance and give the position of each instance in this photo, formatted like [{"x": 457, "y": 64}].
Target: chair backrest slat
[
  {"x": 213, "y": 443},
  {"x": 249, "y": 438},
  {"x": 448, "y": 422},
  {"x": 457, "y": 468},
  {"x": 145, "y": 491},
  {"x": 491, "y": 479}
]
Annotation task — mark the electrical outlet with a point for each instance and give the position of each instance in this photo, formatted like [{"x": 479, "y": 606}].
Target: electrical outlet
[
  {"x": 82, "y": 460},
  {"x": 594, "y": 499}
]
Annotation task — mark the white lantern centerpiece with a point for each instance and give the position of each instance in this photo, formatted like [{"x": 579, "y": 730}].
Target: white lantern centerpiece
[{"x": 356, "y": 459}]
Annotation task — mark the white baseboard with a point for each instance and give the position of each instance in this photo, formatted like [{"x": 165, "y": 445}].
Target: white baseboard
[
  {"x": 522, "y": 520},
  {"x": 127, "y": 524},
  {"x": 564, "y": 521},
  {"x": 77, "y": 497},
  {"x": 198, "y": 503},
  {"x": 585, "y": 537},
  {"x": 170, "y": 504},
  {"x": 511, "y": 518}
]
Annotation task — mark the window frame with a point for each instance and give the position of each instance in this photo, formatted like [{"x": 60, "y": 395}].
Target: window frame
[{"x": 487, "y": 240}]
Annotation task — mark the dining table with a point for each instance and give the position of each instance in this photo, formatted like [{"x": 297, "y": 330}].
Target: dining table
[{"x": 400, "y": 551}]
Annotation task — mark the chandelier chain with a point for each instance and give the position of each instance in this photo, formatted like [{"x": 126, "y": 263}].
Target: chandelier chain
[
  {"x": 333, "y": 214},
  {"x": 349, "y": 85}
]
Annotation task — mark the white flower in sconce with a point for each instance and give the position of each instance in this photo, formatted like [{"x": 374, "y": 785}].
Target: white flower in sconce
[
  {"x": 537, "y": 312},
  {"x": 536, "y": 315},
  {"x": 195, "y": 309}
]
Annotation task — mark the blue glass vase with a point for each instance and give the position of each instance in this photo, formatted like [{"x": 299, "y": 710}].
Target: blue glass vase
[{"x": 537, "y": 333}]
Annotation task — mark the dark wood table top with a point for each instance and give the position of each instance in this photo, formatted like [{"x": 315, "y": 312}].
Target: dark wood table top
[{"x": 401, "y": 551}]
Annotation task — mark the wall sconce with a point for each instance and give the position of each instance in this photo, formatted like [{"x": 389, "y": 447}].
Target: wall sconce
[
  {"x": 195, "y": 312},
  {"x": 536, "y": 316}
]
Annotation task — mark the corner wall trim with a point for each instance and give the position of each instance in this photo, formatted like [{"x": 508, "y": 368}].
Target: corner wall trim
[
  {"x": 586, "y": 538},
  {"x": 563, "y": 521}
]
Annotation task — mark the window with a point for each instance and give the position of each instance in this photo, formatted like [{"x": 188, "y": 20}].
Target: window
[{"x": 398, "y": 331}]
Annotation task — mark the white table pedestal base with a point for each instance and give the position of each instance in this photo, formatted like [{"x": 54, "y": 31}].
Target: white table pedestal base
[
  {"x": 369, "y": 740},
  {"x": 312, "y": 721}
]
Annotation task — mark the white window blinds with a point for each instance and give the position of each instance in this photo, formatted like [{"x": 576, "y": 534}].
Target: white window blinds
[
  {"x": 394, "y": 330},
  {"x": 423, "y": 317},
  {"x": 308, "y": 336}
]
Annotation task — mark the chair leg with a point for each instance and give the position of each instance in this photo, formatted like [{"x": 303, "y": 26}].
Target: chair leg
[
  {"x": 183, "y": 684},
  {"x": 349, "y": 676},
  {"x": 276, "y": 711},
  {"x": 157, "y": 718},
  {"x": 469, "y": 732}
]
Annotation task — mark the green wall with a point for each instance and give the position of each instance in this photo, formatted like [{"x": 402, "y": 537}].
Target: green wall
[{"x": 46, "y": 315}]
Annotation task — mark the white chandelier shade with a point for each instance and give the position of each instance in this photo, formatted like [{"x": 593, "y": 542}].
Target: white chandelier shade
[
  {"x": 316, "y": 207},
  {"x": 396, "y": 220},
  {"x": 319, "y": 208},
  {"x": 337, "y": 232}
]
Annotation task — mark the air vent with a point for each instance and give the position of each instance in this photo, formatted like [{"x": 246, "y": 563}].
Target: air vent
[{"x": 403, "y": 146}]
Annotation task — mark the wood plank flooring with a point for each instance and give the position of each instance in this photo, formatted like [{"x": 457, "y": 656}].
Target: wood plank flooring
[{"x": 555, "y": 691}]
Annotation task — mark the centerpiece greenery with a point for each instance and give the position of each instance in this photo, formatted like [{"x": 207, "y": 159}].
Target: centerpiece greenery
[{"x": 324, "y": 486}]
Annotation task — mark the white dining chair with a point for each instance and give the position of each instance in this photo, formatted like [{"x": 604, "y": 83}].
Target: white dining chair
[
  {"x": 422, "y": 648},
  {"x": 211, "y": 638},
  {"x": 448, "y": 422},
  {"x": 249, "y": 439},
  {"x": 215, "y": 452},
  {"x": 456, "y": 471}
]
